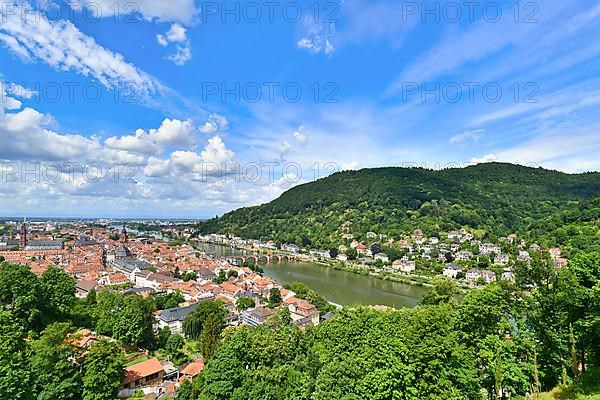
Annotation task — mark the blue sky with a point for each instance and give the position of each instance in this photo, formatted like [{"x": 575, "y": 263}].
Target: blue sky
[{"x": 151, "y": 108}]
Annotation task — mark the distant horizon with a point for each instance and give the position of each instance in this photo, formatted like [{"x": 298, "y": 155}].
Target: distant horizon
[{"x": 47, "y": 216}]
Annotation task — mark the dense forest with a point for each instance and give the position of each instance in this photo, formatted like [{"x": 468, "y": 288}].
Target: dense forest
[{"x": 495, "y": 198}]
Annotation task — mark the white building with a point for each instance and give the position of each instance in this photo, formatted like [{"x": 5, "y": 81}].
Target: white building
[
  {"x": 451, "y": 271},
  {"x": 382, "y": 256}
]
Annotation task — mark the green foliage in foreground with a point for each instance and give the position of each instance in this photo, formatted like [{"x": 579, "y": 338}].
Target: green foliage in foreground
[
  {"x": 558, "y": 208},
  {"x": 498, "y": 339}
]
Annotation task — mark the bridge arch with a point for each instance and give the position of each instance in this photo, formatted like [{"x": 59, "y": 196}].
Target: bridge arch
[{"x": 263, "y": 259}]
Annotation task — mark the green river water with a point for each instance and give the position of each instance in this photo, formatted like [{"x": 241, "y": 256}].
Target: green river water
[{"x": 339, "y": 287}]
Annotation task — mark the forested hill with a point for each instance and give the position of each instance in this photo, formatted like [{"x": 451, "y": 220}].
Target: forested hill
[{"x": 496, "y": 198}]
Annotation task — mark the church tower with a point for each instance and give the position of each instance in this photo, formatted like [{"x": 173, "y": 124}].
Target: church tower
[{"x": 23, "y": 236}]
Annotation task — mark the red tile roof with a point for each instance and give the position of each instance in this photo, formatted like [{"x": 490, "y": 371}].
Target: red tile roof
[{"x": 141, "y": 370}]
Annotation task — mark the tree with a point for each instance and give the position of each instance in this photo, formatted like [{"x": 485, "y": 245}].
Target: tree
[
  {"x": 15, "y": 371},
  {"x": 189, "y": 276},
  {"x": 232, "y": 273},
  {"x": 170, "y": 300},
  {"x": 352, "y": 254},
  {"x": 91, "y": 297},
  {"x": 245, "y": 303},
  {"x": 163, "y": 336},
  {"x": 134, "y": 324},
  {"x": 211, "y": 333},
  {"x": 222, "y": 277},
  {"x": 126, "y": 318},
  {"x": 185, "y": 391},
  {"x": 103, "y": 371},
  {"x": 274, "y": 297},
  {"x": 375, "y": 248},
  {"x": 194, "y": 322},
  {"x": 444, "y": 291},
  {"x": 57, "y": 377},
  {"x": 174, "y": 347},
  {"x": 59, "y": 291},
  {"x": 20, "y": 291}
]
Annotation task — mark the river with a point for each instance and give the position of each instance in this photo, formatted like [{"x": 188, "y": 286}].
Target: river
[{"x": 339, "y": 287}]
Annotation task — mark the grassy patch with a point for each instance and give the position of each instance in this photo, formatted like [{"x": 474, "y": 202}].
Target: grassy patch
[{"x": 137, "y": 361}]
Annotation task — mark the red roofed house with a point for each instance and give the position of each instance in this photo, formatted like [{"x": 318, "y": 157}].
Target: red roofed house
[
  {"x": 303, "y": 312},
  {"x": 191, "y": 370},
  {"x": 146, "y": 373}
]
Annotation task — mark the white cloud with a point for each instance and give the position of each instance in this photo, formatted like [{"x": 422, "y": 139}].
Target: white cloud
[
  {"x": 284, "y": 149},
  {"x": 572, "y": 152},
  {"x": 183, "y": 48},
  {"x": 25, "y": 135},
  {"x": 214, "y": 123},
  {"x": 7, "y": 102},
  {"x": 217, "y": 152},
  {"x": 170, "y": 133},
  {"x": 162, "y": 40},
  {"x": 139, "y": 143},
  {"x": 317, "y": 37},
  {"x": 473, "y": 135},
  {"x": 156, "y": 167},
  {"x": 459, "y": 49},
  {"x": 63, "y": 46},
  {"x": 177, "y": 34},
  {"x": 183, "y": 11},
  {"x": 216, "y": 158},
  {"x": 183, "y": 54},
  {"x": 301, "y": 136},
  {"x": 20, "y": 91}
]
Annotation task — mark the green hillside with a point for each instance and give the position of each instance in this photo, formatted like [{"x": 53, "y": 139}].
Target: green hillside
[{"x": 497, "y": 198}]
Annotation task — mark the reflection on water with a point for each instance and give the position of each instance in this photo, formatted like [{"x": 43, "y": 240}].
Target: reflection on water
[
  {"x": 217, "y": 250},
  {"x": 340, "y": 287}
]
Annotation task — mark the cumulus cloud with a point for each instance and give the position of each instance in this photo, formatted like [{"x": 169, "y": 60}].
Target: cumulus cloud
[
  {"x": 301, "y": 136},
  {"x": 216, "y": 151},
  {"x": 177, "y": 34},
  {"x": 183, "y": 48},
  {"x": 25, "y": 135},
  {"x": 172, "y": 132},
  {"x": 138, "y": 143},
  {"x": 7, "y": 102},
  {"x": 214, "y": 123},
  {"x": 183, "y": 54},
  {"x": 215, "y": 158},
  {"x": 189, "y": 180}
]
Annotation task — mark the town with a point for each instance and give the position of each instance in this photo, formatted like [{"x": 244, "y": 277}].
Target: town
[{"x": 107, "y": 258}]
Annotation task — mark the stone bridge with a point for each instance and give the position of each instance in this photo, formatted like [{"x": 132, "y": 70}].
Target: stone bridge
[{"x": 261, "y": 258}]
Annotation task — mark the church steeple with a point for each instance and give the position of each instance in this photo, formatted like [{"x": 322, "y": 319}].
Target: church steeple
[{"x": 23, "y": 235}]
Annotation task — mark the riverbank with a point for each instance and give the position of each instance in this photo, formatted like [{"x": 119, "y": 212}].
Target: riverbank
[
  {"x": 406, "y": 279},
  {"x": 417, "y": 280}
]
